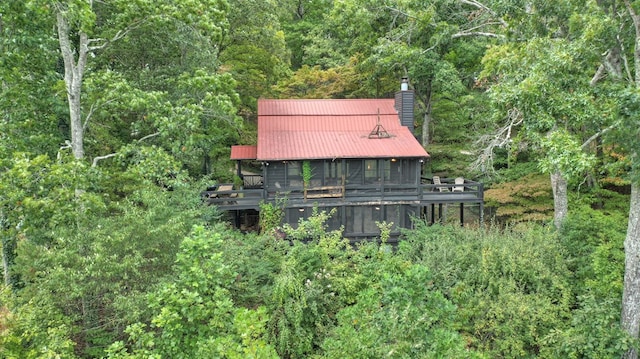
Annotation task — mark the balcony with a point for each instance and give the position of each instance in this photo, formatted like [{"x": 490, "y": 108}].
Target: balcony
[{"x": 228, "y": 198}]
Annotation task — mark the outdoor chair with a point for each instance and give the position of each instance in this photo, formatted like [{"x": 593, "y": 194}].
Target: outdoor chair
[
  {"x": 439, "y": 186},
  {"x": 458, "y": 181}
]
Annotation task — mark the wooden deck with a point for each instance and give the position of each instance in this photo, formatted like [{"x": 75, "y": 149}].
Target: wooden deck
[{"x": 228, "y": 199}]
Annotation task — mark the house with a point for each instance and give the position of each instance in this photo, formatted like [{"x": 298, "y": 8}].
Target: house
[{"x": 357, "y": 156}]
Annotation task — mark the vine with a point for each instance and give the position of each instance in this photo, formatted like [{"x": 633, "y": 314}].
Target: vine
[{"x": 306, "y": 173}]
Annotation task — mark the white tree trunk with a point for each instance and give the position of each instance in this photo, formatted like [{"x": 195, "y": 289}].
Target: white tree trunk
[
  {"x": 631, "y": 295},
  {"x": 425, "y": 129},
  {"x": 426, "y": 123},
  {"x": 560, "y": 199},
  {"x": 630, "y": 317},
  {"x": 73, "y": 73}
]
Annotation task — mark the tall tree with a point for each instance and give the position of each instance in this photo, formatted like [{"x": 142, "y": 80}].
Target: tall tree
[
  {"x": 84, "y": 28},
  {"x": 436, "y": 46},
  {"x": 631, "y": 294},
  {"x": 542, "y": 81},
  {"x": 31, "y": 112}
]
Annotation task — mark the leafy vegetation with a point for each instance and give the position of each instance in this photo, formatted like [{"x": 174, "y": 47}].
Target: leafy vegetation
[{"x": 116, "y": 114}]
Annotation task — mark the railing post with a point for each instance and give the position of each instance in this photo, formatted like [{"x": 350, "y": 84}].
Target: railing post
[{"x": 481, "y": 194}]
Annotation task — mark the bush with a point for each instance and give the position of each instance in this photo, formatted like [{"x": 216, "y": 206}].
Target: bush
[{"x": 511, "y": 288}]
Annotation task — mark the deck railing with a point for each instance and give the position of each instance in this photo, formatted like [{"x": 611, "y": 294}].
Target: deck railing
[
  {"x": 252, "y": 181},
  {"x": 234, "y": 199}
]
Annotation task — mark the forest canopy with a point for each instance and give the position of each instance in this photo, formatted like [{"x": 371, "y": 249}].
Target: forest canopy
[{"x": 116, "y": 114}]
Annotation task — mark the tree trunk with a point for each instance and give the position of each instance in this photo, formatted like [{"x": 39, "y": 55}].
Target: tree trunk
[
  {"x": 631, "y": 295},
  {"x": 630, "y": 317},
  {"x": 425, "y": 129},
  {"x": 426, "y": 123},
  {"x": 560, "y": 200},
  {"x": 73, "y": 73}
]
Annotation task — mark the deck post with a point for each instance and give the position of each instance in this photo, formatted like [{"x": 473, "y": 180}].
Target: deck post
[
  {"x": 481, "y": 189},
  {"x": 433, "y": 213}
]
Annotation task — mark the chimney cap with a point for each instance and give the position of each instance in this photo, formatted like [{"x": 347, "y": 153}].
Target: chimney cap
[{"x": 404, "y": 85}]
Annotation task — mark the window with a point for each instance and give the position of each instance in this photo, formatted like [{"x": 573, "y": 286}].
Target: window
[
  {"x": 386, "y": 170},
  {"x": 294, "y": 174},
  {"x": 332, "y": 173},
  {"x": 362, "y": 219},
  {"x": 371, "y": 171},
  {"x": 354, "y": 172},
  {"x": 293, "y": 169}
]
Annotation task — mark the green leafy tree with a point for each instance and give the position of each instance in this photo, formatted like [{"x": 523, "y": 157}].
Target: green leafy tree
[
  {"x": 254, "y": 50},
  {"x": 82, "y": 31},
  {"x": 511, "y": 288},
  {"x": 433, "y": 45},
  {"x": 312, "y": 284},
  {"x": 399, "y": 313},
  {"x": 194, "y": 316},
  {"x": 544, "y": 84}
]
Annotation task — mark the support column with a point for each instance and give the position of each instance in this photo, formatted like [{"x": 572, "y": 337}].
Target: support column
[{"x": 433, "y": 213}]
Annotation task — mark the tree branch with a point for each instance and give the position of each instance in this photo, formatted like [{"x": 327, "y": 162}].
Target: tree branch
[
  {"x": 100, "y": 158},
  {"x": 149, "y": 136},
  {"x": 119, "y": 35},
  {"x": 481, "y": 6},
  {"x": 500, "y": 139},
  {"x": 67, "y": 145},
  {"x": 598, "y": 134},
  {"x": 476, "y": 33},
  {"x": 92, "y": 109}
]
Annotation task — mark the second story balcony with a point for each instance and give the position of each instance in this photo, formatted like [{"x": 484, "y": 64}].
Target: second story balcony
[{"x": 430, "y": 191}]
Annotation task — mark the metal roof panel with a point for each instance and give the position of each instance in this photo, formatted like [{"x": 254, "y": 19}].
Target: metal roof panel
[{"x": 330, "y": 129}]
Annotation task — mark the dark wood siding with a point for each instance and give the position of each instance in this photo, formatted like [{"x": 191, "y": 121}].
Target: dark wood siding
[{"x": 276, "y": 176}]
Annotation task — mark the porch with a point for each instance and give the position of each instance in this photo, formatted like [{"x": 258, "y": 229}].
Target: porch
[{"x": 447, "y": 191}]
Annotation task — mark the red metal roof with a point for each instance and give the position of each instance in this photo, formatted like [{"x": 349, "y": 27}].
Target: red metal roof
[
  {"x": 242, "y": 152},
  {"x": 323, "y": 129}
]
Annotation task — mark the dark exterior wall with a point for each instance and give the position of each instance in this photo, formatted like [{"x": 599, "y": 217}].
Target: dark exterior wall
[
  {"x": 282, "y": 175},
  {"x": 372, "y": 175},
  {"x": 359, "y": 221}
]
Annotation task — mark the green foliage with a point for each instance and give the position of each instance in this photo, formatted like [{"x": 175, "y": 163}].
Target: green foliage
[
  {"x": 35, "y": 329},
  {"x": 271, "y": 216},
  {"x": 315, "y": 82},
  {"x": 106, "y": 258},
  {"x": 306, "y": 173},
  {"x": 32, "y": 109},
  {"x": 594, "y": 332},
  {"x": 312, "y": 228},
  {"x": 399, "y": 313},
  {"x": 511, "y": 288},
  {"x": 312, "y": 285},
  {"x": 254, "y": 50},
  {"x": 565, "y": 154},
  {"x": 593, "y": 242},
  {"x": 194, "y": 315}
]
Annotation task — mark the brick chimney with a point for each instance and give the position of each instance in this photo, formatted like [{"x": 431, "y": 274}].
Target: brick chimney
[{"x": 404, "y": 104}]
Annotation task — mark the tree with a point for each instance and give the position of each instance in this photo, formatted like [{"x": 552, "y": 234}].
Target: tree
[
  {"x": 544, "y": 84},
  {"x": 254, "y": 49},
  {"x": 436, "y": 46},
  {"x": 30, "y": 110},
  {"x": 193, "y": 314},
  {"x": 629, "y": 131},
  {"x": 398, "y": 313},
  {"x": 83, "y": 30}
]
